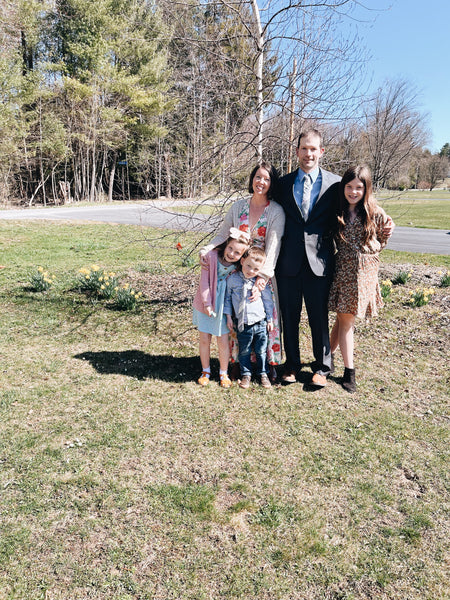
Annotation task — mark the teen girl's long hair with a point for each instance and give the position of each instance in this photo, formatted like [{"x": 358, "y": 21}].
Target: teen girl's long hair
[{"x": 366, "y": 207}]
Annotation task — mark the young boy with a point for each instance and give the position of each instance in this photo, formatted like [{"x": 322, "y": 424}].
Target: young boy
[{"x": 250, "y": 317}]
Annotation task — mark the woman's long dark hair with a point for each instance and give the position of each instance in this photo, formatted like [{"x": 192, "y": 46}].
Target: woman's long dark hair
[
  {"x": 366, "y": 207},
  {"x": 264, "y": 164}
]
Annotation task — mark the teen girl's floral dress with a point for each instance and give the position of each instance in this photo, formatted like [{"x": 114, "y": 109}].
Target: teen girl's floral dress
[
  {"x": 355, "y": 289},
  {"x": 258, "y": 236}
]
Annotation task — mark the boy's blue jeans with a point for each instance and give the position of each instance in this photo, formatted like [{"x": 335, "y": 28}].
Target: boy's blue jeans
[{"x": 253, "y": 337}]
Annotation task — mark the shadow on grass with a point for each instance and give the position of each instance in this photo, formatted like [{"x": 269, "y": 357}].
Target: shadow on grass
[
  {"x": 308, "y": 387},
  {"x": 139, "y": 365},
  {"x": 178, "y": 369}
]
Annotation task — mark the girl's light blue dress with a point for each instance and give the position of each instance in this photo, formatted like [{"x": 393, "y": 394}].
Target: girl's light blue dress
[{"x": 215, "y": 325}]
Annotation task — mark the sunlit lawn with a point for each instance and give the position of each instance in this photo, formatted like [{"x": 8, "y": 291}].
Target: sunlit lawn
[
  {"x": 122, "y": 479},
  {"x": 413, "y": 210}
]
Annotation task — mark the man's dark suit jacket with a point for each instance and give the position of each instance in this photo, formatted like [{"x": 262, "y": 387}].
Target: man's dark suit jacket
[{"x": 315, "y": 237}]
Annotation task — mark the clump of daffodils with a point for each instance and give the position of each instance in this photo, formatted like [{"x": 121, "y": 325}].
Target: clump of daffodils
[
  {"x": 402, "y": 277},
  {"x": 41, "y": 280},
  {"x": 445, "y": 279},
  {"x": 420, "y": 296},
  {"x": 102, "y": 284},
  {"x": 386, "y": 288},
  {"x": 126, "y": 297}
]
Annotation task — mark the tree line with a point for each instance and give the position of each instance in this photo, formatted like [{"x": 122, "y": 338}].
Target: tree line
[{"x": 112, "y": 99}]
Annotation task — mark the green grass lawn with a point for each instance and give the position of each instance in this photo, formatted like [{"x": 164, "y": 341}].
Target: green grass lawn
[
  {"x": 415, "y": 210},
  {"x": 439, "y": 194},
  {"x": 122, "y": 479}
]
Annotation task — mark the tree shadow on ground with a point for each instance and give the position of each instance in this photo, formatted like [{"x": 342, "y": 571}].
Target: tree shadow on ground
[{"x": 139, "y": 365}]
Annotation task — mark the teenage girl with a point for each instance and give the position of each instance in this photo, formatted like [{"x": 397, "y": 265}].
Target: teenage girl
[
  {"x": 363, "y": 229},
  {"x": 208, "y": 314}
]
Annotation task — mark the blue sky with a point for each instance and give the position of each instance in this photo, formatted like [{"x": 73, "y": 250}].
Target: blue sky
[{"x": 410, "y": 39}]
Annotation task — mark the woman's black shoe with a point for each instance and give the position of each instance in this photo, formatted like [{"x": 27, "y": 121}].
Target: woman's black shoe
[{"x": 348, "y": 381}]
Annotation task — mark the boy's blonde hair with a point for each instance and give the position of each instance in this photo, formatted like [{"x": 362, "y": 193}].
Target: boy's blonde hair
[{"x": 256, "y": 253}]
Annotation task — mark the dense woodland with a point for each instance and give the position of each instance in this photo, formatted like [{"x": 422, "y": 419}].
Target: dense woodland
[{"x": 115, "y": 99}]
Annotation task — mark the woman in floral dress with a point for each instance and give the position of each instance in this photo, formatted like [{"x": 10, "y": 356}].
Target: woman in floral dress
[
  {"x": 263, "y": 219},
  {"x": 355, "y": 291}
]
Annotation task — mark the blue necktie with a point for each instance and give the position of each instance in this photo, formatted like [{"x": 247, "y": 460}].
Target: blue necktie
[{"x": 306, "y": 200}]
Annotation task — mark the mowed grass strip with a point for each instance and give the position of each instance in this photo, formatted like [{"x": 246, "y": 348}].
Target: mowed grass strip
[
  {"x": 121, "y": 478},
  {"x": 418, "y": 209}
]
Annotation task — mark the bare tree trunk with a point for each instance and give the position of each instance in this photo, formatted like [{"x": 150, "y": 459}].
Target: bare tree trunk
[
  {"x": 128, "y": 171},
  {"x": 168, "y": 191},
  {"x": 41, "y": 161},
  {"x": 225, "y": 143},
  {"x": 86, "y": 169},
  {"x": 291, "y": 116},
  {"x": 54, "y": 186},
  {"x": 41, "y": 184},
  {"x": 93, "y": 176},
  {"x": 197, "y": 179},
  {"x": 259, "y": 77},
  {"x": 187, "y": 184},
  {"x": 78, "y": 170},
  {"x": 112, "y": 174},
  {"x": 101, "y": 174},
  {"x": 159, "y": 173}
]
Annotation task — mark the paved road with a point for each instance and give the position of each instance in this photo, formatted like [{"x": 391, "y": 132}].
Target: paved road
[
  {"x": 410, "y": 239},
  {"x": 147, "y": 215},
  {"x": 156, "y": 214}
]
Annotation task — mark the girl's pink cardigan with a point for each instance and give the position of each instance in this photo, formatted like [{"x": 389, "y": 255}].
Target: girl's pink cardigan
[{"x": 206, "y": 292}]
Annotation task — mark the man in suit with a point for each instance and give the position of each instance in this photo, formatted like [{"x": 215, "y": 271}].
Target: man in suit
[{"x": 306, "y": 261}]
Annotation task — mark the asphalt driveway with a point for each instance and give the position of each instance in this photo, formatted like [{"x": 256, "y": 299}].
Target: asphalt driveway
[{"x": 161, "y": 214}]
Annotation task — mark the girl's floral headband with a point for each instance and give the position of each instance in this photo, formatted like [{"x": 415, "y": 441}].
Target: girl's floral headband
[{"x": 239, "y": 235}]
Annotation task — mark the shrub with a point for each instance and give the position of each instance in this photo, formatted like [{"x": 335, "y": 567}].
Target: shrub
[
  {"x": 386, "y": 288},
  {"x": 187, "y": 258},
  {"x": 189, "y": 261},
  {"x": 126, "y": 298},
  {"x": 420, "y": 296},
  {"x": 100, "y": 283},
  {"x": 445, "y": 279},
  {"x": 401, "y": 278},
  {"x": 423, "y": 185},
  {"x": 41, "y": 280}
]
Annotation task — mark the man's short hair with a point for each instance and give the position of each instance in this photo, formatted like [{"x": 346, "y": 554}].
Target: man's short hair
[{"x": 310, "y": 131}]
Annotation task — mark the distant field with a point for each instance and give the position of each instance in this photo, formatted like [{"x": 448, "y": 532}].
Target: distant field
[
  {"x": 418, "y": 209},
  {"x": 415, "y": 194}
]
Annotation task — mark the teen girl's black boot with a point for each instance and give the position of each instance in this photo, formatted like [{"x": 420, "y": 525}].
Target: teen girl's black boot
[{"x": 348, "y": 381}]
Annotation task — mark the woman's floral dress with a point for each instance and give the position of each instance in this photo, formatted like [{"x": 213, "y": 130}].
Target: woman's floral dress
[
  {"x": 355, "y": 289},
  {"x": 258, "y": 235}
]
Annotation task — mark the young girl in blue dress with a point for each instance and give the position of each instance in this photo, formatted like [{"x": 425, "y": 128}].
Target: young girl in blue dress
[{"x": 208, "y": 303}]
